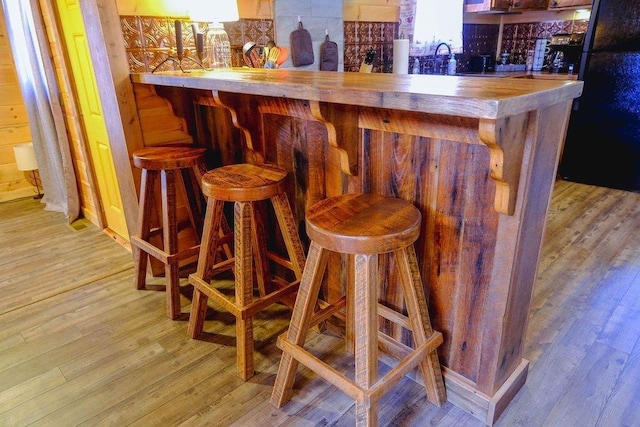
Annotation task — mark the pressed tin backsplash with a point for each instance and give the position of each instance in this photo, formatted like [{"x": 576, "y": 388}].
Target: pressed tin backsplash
[{"x": 149, "y": 40}]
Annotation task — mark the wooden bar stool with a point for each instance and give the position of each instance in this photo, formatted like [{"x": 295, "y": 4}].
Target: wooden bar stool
[
  {"x": 364, "y": 225},
  {"x": 246, "y": 185},
  {"x": 174, "y": 164}
]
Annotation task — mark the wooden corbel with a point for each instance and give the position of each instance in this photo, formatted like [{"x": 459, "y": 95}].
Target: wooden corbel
[
  {"x": 241, "y": 119},
  {"x": 310, "y": 110},
  {"x": 505, "y": 139}
]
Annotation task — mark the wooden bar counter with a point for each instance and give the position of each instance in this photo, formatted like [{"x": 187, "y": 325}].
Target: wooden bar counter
[{"x": 478, "y": 157}]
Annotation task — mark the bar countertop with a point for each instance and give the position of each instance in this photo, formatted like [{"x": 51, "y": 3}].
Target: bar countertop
[{"x": 451, "y": 95}]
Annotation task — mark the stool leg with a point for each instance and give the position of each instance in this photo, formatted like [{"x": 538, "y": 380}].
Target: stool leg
[
  {"x": 289, "y": 230},
  {"x": 418, "y": 312},
  {"x": 243, "y": 288},
  {"x": 170, "y": 236},
  {"x": 194, "y": 200},
  {"x": 259, "y": 244},
  {"x": 366, "y": 335},
  {"x": 147, "y": 182},
  {"x": 303, "y": 310},
  {"x": 206, "y": 260},
  {"x": 349, "y": 339}
]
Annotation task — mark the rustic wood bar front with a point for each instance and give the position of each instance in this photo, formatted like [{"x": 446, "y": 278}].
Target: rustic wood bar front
[{"x": 478, "y": 157}]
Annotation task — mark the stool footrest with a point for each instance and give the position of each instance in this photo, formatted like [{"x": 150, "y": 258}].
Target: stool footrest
[
  {"x": 225, "y": 265},
  {"x": 394, "y": 316},
  {"x": 161, "y": 255},
  {"x": 248, "y": 310},
  {"x": 348, "y": 386},
  {"x": 325, "y": 313},
  {"x": 279, "y": 260}
]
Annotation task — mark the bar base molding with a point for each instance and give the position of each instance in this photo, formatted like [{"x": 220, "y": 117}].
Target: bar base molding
[{"x": 462, "y": 393}]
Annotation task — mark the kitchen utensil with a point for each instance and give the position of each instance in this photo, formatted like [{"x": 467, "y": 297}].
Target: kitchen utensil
[
  {"x": 283, "y": 55},
  {"x": 367, "y": 63},
  {"x": 251, "y": 55},
  {"x": 272, "y": 58}
]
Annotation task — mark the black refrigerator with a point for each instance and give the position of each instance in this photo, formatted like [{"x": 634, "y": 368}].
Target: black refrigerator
[{"x": 603, "y": 140}]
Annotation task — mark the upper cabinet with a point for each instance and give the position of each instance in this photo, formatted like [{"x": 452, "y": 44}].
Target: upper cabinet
[
  {"x": 486, "y": 5},
  {"x": 498, "y": 6},
  {"x": 528, "y": 5},
  {"x": 565, "y": 4}
]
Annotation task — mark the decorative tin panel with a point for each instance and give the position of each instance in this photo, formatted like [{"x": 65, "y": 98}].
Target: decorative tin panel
[
  {"x": 151, "y": 40},
  {"x": 360, "y": 36}
]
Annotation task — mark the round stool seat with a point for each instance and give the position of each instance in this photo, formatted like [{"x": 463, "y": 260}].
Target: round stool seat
[
  {"x": 363, "y": 223},
  {"x": 244, "y": 182},
  {"x": 167, "y": 158}
]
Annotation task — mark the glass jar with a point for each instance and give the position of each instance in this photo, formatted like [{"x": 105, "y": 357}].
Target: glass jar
[{"x": 219, "y": 52}]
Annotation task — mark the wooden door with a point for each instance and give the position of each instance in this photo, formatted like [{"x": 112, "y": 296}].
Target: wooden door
[{"x": 92, "y": 118}]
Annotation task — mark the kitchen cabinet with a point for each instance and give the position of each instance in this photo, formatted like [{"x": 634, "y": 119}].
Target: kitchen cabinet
[
  {"x": 486, "y": 5},
  {"x": 528, "y": 5},
  {"x": 567, "y": 4}
]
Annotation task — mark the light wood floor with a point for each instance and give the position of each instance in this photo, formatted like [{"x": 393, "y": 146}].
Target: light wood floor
[{"x": 80, "y": 346}]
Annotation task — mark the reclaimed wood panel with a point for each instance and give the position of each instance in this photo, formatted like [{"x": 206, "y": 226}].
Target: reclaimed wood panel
[{"x": 479, "y": 160}]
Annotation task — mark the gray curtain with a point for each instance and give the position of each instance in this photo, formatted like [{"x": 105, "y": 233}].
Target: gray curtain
[{"x": 40, "y": 91}]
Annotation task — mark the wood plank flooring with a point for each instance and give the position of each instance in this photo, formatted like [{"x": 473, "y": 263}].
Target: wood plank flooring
[{"x": 79, "y": 345}]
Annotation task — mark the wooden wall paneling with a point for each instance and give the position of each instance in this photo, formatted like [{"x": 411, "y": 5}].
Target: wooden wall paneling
[
  {"x": 158, "y": 123},
  {"x": 532, "y": 214},
  {"x": 215, "y": 131},
  {"x": 256, "y": 9},
  {"x": 249, "y": 9},
  {"x": 14, "y": 124},
  {"x": 324, "y": 158},
  {"x": 452, "y": 248},
  {"x": 242, "y": 115},
  {"x": 8, "y": 75},
  {"x": 371, "y": 10}
]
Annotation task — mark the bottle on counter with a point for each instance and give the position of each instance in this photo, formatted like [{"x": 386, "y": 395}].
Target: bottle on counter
[
  {"x": 451, "y": 66},
  {"x": 416, "y": 66},
  {"x": 504, "y": 58}
]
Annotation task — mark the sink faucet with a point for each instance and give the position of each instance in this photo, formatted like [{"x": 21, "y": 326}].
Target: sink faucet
[
  {"x": 440, "y": 67},
  {"x": 439, "y": 46}
]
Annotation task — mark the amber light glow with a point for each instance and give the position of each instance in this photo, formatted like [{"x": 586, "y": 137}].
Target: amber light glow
[{"x": 220, "y": 11}]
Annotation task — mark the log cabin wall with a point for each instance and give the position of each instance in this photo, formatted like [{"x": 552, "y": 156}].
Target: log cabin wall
[{"x": 14, "y": 124}]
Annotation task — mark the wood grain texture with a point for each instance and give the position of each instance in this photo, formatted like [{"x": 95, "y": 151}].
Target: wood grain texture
[
  {"x": 248, "y": 187},
  {"x": 451, "y": 95},
  {"x": 14, "y": 124},
  {"x": 360, "y": 224},
  {"x": 476, "y": 158},
  {"x": 168, "y": 163}
]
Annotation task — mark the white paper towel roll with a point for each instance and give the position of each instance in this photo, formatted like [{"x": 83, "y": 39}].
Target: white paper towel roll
[{"x": 401, "y": 56}]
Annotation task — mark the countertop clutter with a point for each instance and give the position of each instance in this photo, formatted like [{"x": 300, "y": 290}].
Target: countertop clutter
[{"x": 542, "y": 75}]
